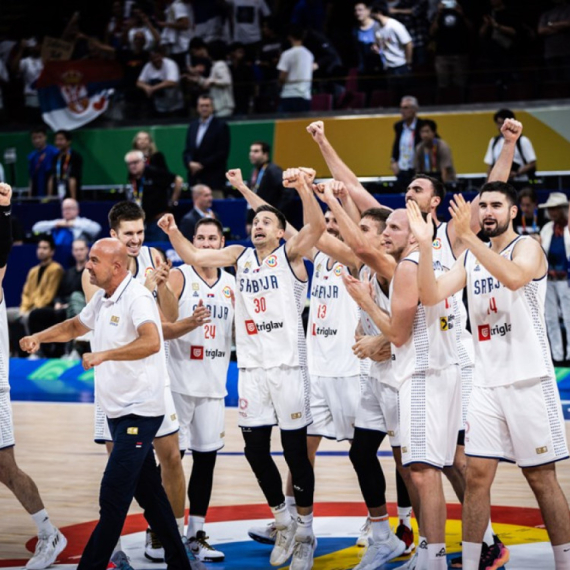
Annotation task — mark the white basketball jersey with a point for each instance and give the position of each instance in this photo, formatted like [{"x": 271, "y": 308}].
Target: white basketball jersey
[
  {"x": 198, "y": 361},
  {"x": 145, "y": 264},
  {"x": 443, "y": 260},
  {"x": 269, "y": 304},
  {"x": 509, "y": 330},
  {"x": 4, "y": 347},
  {"x": 433, "y": 343},
  {"x": 333, "y": 318}
]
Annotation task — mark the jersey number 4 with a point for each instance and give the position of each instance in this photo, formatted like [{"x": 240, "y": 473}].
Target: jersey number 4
[{"x": 492, "y": 306}]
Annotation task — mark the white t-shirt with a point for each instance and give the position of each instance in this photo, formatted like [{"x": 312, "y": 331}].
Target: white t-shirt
[
  {"x": 247, "y": 28},
  {"x": 128, "y": 386},
  {"x": 493, "y": 152},
  {"x": 392, "y": 38},
  {"x": 178, "y": 39},
  {"x": 30, "y": 69},
  {"x": 297, "y": 62},
  {"x": 169, "y": 99}
]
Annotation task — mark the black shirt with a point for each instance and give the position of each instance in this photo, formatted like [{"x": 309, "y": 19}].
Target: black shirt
[
  {"x": 70, "y": 283},
  {"x": 67, "y": 165},
  {"x": 153, "y": 191},
  {"x": 452, "y": 36}
]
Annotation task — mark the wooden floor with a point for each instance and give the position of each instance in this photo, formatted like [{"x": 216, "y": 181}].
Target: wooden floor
[{"x": 55, "y": 446}]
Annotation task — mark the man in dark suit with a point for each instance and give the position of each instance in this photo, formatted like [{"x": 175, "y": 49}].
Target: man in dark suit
[
  {"x": 405, "y": 142},
  {"x": 202, "y": 202},
  {"x": 207, "y": 147}
]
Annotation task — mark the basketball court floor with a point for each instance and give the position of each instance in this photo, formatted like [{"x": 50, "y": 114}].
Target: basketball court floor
[{"x": 54, "y": 445}]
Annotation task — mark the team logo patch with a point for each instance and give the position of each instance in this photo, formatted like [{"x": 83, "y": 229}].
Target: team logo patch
[
  {"x": 541, "y": 450},
  {"x": 196, "y": 353},
  {"x": 271, "y": 261},
  {"x": 250, "y": 327},
  {"x": 443, "y": 324},
  {"x": 114, "y": 321},
  {"x": 148, "y": 271},
  {"x": 195, "y": 286},
  {"x": 132, "y": 431},
  {"x": 247, "y": 267},
  {"x": 227, "y": 292},
  {"x": 172, "y": 417},
  {"x": 296, "y": 415},
  {"x": 436, "y": 243},
  {"x": 338, "y": 270},
  {"x": 242, "y": 403},
  {"x": 484, "y": 332}
]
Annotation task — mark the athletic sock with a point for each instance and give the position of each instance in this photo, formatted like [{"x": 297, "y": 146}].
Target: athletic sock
[
  {"x": 437, "y": 559},
  {"x": 405, "y": 516},
  {"x": 422, "y": 553},
  {"x": 471, "y": 555},
  {"x": 380, "y": 528},
  {"x": 45, "y": 528},
  {"x": 281, "y": 514},
  {"x": 291, "y": 505},
  {"x": 195, "y": 523},
  {"x": 180, "y": 524},
  {"x": 488, "y": 538},
  {"x": 304, "y": 526},
  {"x": 118, "y": 546},
  {"x": 562, "y": 556}
]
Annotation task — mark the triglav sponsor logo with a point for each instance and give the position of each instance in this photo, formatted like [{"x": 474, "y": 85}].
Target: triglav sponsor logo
[
  {"x": 253, "y": 328},
  {"x": 323, "y": 331},
  {"x": 486, "y": 332}
]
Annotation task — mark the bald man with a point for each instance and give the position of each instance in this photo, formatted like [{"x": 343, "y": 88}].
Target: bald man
[{"x": 130, "y": 367}]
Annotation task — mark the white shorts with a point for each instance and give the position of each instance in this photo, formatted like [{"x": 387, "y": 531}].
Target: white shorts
[
  {"x": 6, "y": 424},
  {"x": 334, "y": 402},
  {"x": 522, "y": 423},
  {"x": 274, "y": 396},
  {"x": 201, "y": 422},
  {"x": 430, "y": 417},
  {"x": 169, "y": 423},
  {"x": 378, "y": 409},
  {"x": 466, "y": 389}
]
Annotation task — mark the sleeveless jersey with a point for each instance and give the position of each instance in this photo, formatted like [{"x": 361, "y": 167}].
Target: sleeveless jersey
[
  {"x": 198, "y": 361},
  {"x": 269, "y": 304},
  {"x": 145, "y": 264},
  {"x": 509, "y": 329},
  {"x": 433, "y": 342},
  {"x": 4, "y": 347},
  {"x": 333, "y": 318}
]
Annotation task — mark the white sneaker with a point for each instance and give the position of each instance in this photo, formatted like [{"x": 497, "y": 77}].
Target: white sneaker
[
  {"x": 365, "y": 532},
  {"x": 203, "y": 550},
  {"x": 303, "y": 551},
  {"x": 284, "y": 544},
  {"x": 411, "y": 563},
  {"x": 47, "y": 549},
  {"x": 263, "y": 534},
  {"x": 379, "y": 553},
  {"x": 153, "y": 549}
]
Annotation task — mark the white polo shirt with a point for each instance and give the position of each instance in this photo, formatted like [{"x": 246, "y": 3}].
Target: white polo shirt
[{"x": 129, "y": 386}]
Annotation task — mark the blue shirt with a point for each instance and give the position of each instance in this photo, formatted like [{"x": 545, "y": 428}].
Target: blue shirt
[
  {"x": 39, "y": 166},
  {"x": 557, "y": 254}
]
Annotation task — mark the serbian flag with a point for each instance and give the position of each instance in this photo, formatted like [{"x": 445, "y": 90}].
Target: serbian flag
[{"x": 73, "y": 93}]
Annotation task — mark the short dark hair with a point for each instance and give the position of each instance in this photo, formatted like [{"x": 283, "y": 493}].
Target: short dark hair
[
  {"x": 280, "y": 217},
  {"x": 209, "y": 222},
  {"x": 67, "y": 134},
  {"x": 438, "y": 187},
  {"x": 380, "y": 7},
  {"x": 48, "y": 238},
  {"x": 528, "y": 192},
  {"x": 265, "y": 147},
  {"x": 39, "y": 129},
  {"x": 205, "y": 96},
  {"x": 124, "y": 212},
  {"x": 296, "y": 32},
  {"x": 503, "y": 187},
  {"x": 379, "y": 215},
  {"x": 429, "y": 123},
  {"x": 197, "y": 43},
  {"x": 235, "y": 46},
  {"x": 503, "y": 114}
]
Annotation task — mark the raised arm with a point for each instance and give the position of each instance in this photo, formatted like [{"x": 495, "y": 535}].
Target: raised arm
[{"x": 158, "y": 280}]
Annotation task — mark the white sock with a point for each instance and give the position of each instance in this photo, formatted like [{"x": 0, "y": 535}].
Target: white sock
[
  {"x": 118, "y": 546},
  {"x": 291, "y": 505},
  {"x": 471, "y": 555},
  {"x": 488, "y": 537},
  {"x": 422, "y": 553},
  {"x": 562, "y": 556},
  {"x": 304, "y": 525},
  {"x": 194, "y": 525},
  {"x": 380, "y": 528},
  {"x": 405, "y": 516},
  {"x": 45, "y": 528},
  {"x": 281, "y": 514},
  {"x": 437, "y": 559},
  {"x": 180, "y": 523}
]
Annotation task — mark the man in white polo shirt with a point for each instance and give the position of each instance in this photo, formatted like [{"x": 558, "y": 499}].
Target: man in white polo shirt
[{"x": 130, "y": 367}]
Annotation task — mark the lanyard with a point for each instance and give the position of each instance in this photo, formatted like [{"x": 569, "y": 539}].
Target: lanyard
[
  {"x": 430, "y": 158},
  {"x": 138, "y": 190},
  {"x": 534, "y": 222},
  {"x": 63, "y": 175},
  {"x": 258, "y": 178}
]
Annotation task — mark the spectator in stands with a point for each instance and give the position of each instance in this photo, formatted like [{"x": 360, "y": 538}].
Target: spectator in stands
[
  {"x": 40, "y": 162},
  {"x": 310, "y": 14},
  {"x": 177, "y": 30},
  {"x": 133, "y": 61},
  {"x": 433, "y": 155},
  {"x": 66, "y": 169},
  {"x": 413, "y": 15},
  {"x": 245, "y": 23},
  {"x": 159, "y": 80},
  {"x": 201, "y": 208},
  {"x": 117, "y": 27},
  {"x": 555, "y": 239},
  {"x": 328, "y": 68},
  {"x": 140, "y": 22},
  {"x": 207, "y": 147},
  {"x": 406, "y": 140},
  {"x": 530, "y": 219},
  {"x": 68, "y": 302},
  {"x": 554, "y": 27},
  {"x": 364, "y": 34},
  {"x": 155, "y": 190},
  {"x": 4, "y": 80},
  {"x": 29, "y": 68},
  {"x": 210, "y": 20},
  {"x": 524, "y": 163},
  {"x": 144, "y": 142},
  {"x": 450, "y": 31},
  {"x": 295, "y": 74},
  {"x": 200, "y": 61},
  {"x": 219, "y": 83},
  {"x": 39, "y": 290},
  {"x": 267, "y": 90},
  {"x": 243, "y": 78}
]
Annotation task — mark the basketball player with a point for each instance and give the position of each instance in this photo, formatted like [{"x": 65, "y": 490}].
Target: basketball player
[
  {"x": 126, "y": 222},
  {"x": 424, "y": 356},
  {"x": 198, "y": 364},
  {"x": 50, "y": 540},
  {"x": 506, "y": 288},
  {"x": 273, "y": 383}
]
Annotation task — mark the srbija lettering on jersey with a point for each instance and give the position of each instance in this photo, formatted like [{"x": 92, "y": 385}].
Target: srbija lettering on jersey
[
  {"x": 199, "y": 360},
  {"x": 333, "y": 318},
  {"x": 509, "y": 330},
  {"x": 269, "y": 304}
]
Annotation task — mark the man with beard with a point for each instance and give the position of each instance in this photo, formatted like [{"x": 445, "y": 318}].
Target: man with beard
[{"x": 506, "y": 290}]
